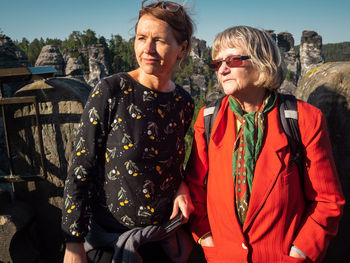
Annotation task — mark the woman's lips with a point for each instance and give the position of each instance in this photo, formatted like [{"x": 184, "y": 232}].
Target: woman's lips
[{"x": 150, "y": 60}]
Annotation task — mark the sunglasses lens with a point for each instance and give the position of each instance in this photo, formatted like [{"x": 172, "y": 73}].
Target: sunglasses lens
[
  {"x": 171, "y": 6},
  {"x": 233, "y": 61}
]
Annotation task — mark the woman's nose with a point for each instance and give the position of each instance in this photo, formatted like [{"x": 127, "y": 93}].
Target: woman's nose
[
  {"x": 149, "y": 47},
  {"x": 223, "y": 69}
]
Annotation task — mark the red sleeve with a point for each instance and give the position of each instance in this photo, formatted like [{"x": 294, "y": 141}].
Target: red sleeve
[
  {"x": 196, "y": 171},
  {"x": 322, "y": 188}
]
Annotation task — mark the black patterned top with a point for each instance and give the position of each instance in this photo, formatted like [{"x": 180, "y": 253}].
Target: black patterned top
[{"x": 128, "y": 157}]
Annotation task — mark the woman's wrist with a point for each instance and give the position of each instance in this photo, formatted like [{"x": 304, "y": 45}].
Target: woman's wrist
[{"x": 203, "y": 237}]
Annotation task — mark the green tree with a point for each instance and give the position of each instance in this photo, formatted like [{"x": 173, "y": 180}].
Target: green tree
[
  {"x": 55, "y": 42},
  {"x": 34, "y": 50},
  {"x": 88, "y": 38},
  {"x": 73, "y": 42},
  {"x": 335, "y": 52},
  {"x": 122, "y": 54},
  {"x": 23, "y": 45}
]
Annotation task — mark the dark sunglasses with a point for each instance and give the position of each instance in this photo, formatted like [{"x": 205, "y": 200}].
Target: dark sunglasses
[
  {"x": 231, "y": 61},
  {"x": 166, "y": 5}
]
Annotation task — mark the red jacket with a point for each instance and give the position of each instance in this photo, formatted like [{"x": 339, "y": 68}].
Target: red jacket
[{"x": 280, "y": 212}]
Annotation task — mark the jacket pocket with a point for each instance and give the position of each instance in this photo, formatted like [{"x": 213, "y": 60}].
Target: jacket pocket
[{"x": 210, "y": 253}]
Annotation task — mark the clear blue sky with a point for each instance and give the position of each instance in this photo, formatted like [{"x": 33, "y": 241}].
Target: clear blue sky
[{"x": 58, "y": 18}]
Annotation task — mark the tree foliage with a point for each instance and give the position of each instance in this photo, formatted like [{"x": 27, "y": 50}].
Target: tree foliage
[
  {"x": 122, "y": 54},
  {"x": 335, "y": 52}
]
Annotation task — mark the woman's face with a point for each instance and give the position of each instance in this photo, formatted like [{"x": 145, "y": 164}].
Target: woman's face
[
  {"x": 239, "y": 79},
  {"x": 155, "y": 46}
]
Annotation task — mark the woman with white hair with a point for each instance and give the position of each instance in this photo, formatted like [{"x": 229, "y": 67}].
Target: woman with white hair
[{"x": 255, "y": 206}]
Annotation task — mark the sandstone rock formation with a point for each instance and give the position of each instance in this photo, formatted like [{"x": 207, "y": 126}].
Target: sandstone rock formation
[
  {"x": 60, "y": 103},
  {"x": 198, "y": 48},
  {"x": 328, "y": 88},
  {"x": 286, "y": 45},
  {"x": 310, "y": 51},
  {"x": 98, "y": 64},
  {"x": 10, "y": 55},
  {"x": 74, "y": 68},
  {"x": 51, "y": 56}
]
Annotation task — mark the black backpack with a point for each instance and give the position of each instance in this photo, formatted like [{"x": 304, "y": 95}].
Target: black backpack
[{"x": 289, "y": 119}]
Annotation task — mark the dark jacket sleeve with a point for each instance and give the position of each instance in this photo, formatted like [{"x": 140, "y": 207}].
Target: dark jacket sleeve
[{"x": 84, "y": 166}]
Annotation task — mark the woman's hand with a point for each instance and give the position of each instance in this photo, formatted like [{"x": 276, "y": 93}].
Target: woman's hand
[
  {"x": 293, "y": 253},
  {"x": 207, "y": 241},
  {"x": 183, "y": 202},
  {"x": 75, "y": 253}
]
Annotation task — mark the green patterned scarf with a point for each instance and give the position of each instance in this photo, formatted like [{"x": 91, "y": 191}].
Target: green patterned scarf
[{"x": 246, "y": 149}]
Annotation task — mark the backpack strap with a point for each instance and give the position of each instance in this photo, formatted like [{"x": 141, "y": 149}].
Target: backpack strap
[
  {"x": 209, "y": 114},
  {"x": 289, "y": 119}
]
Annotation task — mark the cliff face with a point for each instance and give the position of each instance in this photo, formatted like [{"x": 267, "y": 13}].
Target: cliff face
[{"x": 10, "y": 55}]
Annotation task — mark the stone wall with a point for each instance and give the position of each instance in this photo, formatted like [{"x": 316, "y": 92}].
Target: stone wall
[
  {"x": 37, "y": 238},
  {"x": 328, "y": 88}
]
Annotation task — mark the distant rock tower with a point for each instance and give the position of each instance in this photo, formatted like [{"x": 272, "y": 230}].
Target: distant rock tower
[
  {"x": 198, "y": 48},
  {"x": 98, "y": 64},
  {"x": 51, "y": 56},
  {"x": 310, "y": 51},
  {"x": 286, "y": 46}
]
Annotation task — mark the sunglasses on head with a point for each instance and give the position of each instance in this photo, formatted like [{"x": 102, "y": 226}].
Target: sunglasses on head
[
  {"x": 231, "y": 61},
  {"x": 166, "y": 5}
]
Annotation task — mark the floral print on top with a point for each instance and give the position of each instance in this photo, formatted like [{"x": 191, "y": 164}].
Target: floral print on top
[{"x": 128, "y": 157}]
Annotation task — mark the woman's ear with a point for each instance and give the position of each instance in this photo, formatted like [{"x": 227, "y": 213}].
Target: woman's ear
[{"x": 183, "y": 49}]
